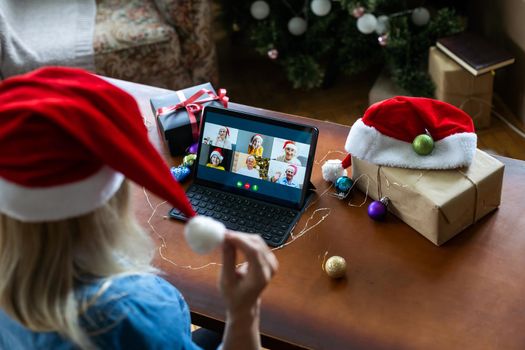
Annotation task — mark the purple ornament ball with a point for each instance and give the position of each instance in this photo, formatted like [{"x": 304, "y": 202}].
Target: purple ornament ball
[
  {"x": 193, "y": 148},
  {"x": 377, "y": 211}
]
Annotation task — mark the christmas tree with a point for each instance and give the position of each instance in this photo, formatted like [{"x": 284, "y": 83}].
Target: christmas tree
[{"x": 316, "y": 39}]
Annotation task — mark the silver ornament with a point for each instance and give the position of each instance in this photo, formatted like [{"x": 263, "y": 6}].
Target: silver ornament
[
  {"x": 420, "y": 16},
  {"x": 383, "y": 24},
  {"x": 297, "y": 26},
  {"x": 260, "y": 9},
  {"x": 321, "y": 7},
  {"x": 367, "y": 23}
]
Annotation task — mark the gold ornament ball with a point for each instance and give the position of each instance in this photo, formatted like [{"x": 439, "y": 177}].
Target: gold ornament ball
[
  {"x": 189, "y": 159},
  {"x": 335, "y": 266}
]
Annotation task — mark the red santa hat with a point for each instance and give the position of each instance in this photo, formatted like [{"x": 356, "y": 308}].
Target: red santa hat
[
  {"x": 384, "y": 135},
  {"x": 289, "y": 144},
  {"x": 257, "y": 136},
  {"x": 386, "y": 132},
  {"x": 67, "y": 140},
  {"x": 218, "y": 153}
]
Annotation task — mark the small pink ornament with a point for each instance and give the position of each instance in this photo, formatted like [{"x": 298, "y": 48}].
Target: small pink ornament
[
  {"x": 358, "y": 11},
  {"x": 273, "y": 54},
  {"x": 383, "y": 40}
]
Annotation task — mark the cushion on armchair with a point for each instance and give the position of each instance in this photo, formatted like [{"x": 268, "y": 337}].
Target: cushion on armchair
[
  {"x": 123, "y": 24},
  {"x": 165, "y": 43},
  {"x": 179, "y": 14}
]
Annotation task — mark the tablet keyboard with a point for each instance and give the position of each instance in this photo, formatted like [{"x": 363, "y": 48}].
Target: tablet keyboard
[{"x": 271, "y": 222}]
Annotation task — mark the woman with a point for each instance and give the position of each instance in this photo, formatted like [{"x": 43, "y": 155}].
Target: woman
[
  {"x": 76, "y": 268},
  {"x": 216, "y": 158},
  {"x": 222, "y": 139},
  {"x": 255, "y": 147},
  {"x": 249, "y": 169}
]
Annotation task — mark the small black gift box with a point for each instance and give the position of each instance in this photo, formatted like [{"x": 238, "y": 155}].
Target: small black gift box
[{"x": 178, "y": 114}]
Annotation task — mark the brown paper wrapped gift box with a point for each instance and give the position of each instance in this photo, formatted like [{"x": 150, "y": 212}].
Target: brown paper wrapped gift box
[
  {"x": 437, "y": 203},
  {"x": 457, "y": 86}
]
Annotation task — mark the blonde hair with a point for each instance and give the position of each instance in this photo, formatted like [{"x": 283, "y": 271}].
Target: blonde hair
[{"x": 42, "y": 263}]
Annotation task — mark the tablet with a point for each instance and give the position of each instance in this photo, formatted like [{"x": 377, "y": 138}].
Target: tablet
[{"x": 260, "y": 157}]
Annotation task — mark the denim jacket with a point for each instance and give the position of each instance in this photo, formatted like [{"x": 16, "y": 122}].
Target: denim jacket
[{"x": 134, "y": 312}]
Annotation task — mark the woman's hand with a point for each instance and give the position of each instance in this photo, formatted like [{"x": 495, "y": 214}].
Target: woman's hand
[{"x": 241, "y": 286}]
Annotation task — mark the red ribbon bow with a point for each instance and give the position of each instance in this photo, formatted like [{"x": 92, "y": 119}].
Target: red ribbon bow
[{"x": 194, "y": 105}]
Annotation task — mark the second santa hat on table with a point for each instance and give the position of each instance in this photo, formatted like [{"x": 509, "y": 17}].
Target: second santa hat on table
[{"x": 409, "y": 132}]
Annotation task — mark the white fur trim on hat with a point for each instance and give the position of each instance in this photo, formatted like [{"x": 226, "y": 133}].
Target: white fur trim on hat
[
  {"x": 59, "y": 202},
  {"x": 290, "y": 144},
  {"x": 367, "y": 143},
  {"x": 217, "y": 154}
]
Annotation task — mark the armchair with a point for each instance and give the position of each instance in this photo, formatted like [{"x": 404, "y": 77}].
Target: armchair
[{"x": 164, "y": 43}]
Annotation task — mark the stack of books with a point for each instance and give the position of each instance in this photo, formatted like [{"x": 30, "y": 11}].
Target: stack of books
[{"x": 474, "y": 53}]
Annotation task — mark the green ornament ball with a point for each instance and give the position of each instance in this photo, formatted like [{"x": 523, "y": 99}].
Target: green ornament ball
[{"x": 423, "y": 144}]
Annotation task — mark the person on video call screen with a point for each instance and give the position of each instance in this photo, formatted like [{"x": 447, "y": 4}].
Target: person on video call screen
[
  {"x": 216, "y": 158},
  {"x": 288, "y": 178}
]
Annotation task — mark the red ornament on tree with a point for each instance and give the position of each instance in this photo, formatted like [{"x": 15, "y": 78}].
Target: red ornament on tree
[
  {"x": 383, "y": 40},
  {"x": 273, "y": 54},
  {"x": 358, "y": 11}
]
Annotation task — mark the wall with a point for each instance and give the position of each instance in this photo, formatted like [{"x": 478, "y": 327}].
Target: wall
[{"x": 502, "y": 22}]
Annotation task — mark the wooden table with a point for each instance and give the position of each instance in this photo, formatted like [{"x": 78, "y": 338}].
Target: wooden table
[{"x": 400, "y": 291}]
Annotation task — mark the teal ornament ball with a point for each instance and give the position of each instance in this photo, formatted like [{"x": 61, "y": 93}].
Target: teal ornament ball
[
  {"x": 343, "y": 184},
  {"x": 423, "y": 144},
  {"x": 180, "y": 173}
]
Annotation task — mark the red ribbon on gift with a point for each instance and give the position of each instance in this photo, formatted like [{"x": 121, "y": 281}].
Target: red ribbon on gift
[{"x": 194, "y": 105}]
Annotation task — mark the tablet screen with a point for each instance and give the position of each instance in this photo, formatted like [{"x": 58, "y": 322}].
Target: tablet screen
[{"x": 261, "y": 157}]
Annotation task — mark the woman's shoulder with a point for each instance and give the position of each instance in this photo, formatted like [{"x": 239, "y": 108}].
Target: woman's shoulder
[
  {"x": 141, "y": 286},
  {"x": 131, "y": 295},
  {"x": 140, "y": 309}
]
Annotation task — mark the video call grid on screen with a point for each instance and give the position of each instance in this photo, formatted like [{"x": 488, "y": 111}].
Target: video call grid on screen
[{"x": 241, "y": 154}]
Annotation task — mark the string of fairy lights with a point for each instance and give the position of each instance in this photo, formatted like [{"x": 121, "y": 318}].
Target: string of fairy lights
[{"x": 317, "y": 216}]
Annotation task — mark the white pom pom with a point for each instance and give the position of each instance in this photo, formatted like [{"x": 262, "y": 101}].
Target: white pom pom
[
  {"x": 203, "y": 234},
  {"x": 332, "y": 170}
]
